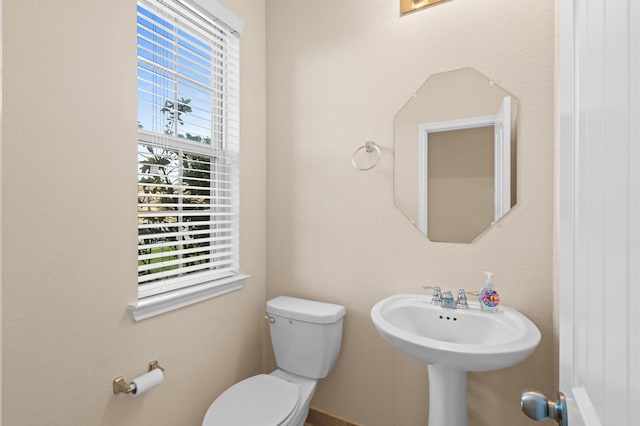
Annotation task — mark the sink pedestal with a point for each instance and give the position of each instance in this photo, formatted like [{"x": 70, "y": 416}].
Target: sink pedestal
[
  {"x": 451, "y": 342},
  {"x": 447, "y": 396}
]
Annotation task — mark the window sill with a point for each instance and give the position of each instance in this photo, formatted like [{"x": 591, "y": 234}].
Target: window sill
[{"x": 161, "y": 303}]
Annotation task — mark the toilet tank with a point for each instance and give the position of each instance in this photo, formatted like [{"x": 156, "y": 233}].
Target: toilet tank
[{"x": 306, "y": 335}]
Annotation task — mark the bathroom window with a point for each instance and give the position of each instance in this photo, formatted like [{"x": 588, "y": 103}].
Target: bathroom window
[{"x": 188, "y": 152}]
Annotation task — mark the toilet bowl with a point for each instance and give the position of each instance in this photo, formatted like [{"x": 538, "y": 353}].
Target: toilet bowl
[
  {"x": 278, "y": 399},
  {"x": 306, "y": 337}
]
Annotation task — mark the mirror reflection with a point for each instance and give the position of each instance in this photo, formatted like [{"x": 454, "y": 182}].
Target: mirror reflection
[{"x": 455, "y": 143}]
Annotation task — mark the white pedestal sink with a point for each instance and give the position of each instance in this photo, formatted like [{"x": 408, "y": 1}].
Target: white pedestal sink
[{"x": 452, "y": 342}]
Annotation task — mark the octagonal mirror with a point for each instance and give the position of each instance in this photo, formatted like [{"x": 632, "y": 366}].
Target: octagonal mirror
[{"x": 454, "y": 156}]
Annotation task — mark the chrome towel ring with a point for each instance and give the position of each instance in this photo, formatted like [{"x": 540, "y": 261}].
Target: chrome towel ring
[{"x": 368, "y": 147}]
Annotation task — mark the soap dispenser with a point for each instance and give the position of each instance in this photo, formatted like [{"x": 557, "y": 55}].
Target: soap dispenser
[{"x": 489, "y": 297}]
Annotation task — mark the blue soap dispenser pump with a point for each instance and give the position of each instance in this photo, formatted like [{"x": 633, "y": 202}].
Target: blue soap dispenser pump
[{"x": 489, "y": 298}]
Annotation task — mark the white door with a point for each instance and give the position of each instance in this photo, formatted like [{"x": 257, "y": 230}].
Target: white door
[
  {"x": 502, "y": 159},
  {"x": 599, "y": 210}
]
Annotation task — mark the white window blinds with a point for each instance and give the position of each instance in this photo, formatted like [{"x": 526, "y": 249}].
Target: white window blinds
[{"x": 188, "y": 113}]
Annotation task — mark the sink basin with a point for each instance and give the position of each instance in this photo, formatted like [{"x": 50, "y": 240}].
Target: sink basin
[
  {"x": 452, "y": 342},
  {"x": 465, "y": 339}
]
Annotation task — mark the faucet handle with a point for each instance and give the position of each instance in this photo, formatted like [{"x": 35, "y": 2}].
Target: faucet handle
[
  {"x": 436, "y": 298},
  {"x": 461, "y": 300}
]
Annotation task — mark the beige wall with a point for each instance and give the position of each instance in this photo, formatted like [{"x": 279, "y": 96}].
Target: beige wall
[
  {"x": 69, "y": 228},
  {"x": 337, "y": 72}
]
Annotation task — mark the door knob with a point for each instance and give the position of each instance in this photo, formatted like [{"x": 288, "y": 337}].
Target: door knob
[{"x": 535, "y": 405}]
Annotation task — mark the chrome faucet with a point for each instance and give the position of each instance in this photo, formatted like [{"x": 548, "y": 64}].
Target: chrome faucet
[{"x": 446, "y": 299}]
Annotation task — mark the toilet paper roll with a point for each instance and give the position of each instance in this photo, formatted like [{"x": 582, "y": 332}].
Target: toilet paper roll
[{"x": 147, "y": 381}]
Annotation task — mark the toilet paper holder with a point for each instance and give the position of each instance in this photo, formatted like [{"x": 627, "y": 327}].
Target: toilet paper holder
[{"x": 120, "y": 385}]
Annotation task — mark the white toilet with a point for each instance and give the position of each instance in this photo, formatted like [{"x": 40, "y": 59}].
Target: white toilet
[{"x": 306, "y": 337}]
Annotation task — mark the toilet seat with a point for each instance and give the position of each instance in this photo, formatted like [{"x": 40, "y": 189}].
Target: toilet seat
[{"x": 261, "y": 400}]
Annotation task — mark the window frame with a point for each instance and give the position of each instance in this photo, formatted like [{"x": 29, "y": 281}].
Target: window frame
[{"x": 167, "y": 294}]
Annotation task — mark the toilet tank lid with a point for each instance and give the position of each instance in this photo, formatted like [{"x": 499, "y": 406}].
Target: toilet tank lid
[{"x": 305, "y": 310}]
